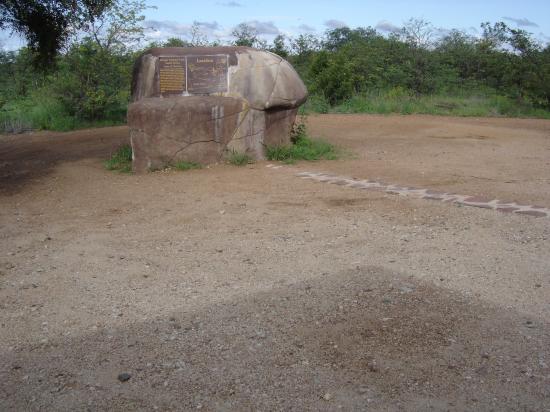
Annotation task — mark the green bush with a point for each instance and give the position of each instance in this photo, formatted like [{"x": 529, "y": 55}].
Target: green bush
[
  {"x": 302, "y": 148},
  {"x": 315, "y": 104},
  {"x": 486, "y": 105},
  {"x": 501, "y": 72},
  {"x": 42, "y": 111},
  {"x": 93, "y": 84}
]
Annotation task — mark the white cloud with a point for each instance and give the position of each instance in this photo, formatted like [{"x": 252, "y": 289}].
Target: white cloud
[
  {"x": 544, "y": 38},
  {"x": 264, "y": 27},
  {"x": 165, "y": 26},
  {"x": 231, "y": 4},
  {"x": 441, "y": 32},
  {"x": 335, "y": 24},
  {"x": 306, "y": 28},
  {"x": 387, "y": 27},
  {"x": 522, "y": 22},
  {"x": 208, "y": 25},
  {"x": 163, "y": 29}
]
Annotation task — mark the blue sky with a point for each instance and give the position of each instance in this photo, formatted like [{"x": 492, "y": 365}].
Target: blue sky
[{"x": 291, "y": 17}]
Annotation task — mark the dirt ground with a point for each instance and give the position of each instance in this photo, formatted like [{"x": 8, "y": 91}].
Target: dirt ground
[{"x": 248, "y": 288}]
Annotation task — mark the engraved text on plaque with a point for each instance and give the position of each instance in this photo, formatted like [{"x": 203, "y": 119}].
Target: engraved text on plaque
[
  {"x": 172, "y": 75},
  {"x": 207, "y": 74}
]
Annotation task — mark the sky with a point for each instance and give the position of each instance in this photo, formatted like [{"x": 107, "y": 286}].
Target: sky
[{"x": 217, "y": 18}]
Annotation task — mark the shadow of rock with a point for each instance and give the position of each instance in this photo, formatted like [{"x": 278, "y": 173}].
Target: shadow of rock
[
  {"x": 363, "y": 338},
  {"x": 26, "y": 158}
]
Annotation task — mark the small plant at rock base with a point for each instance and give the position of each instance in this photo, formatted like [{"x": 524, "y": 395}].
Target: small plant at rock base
[
  {"x": 239, "y": 159},
  {"x": 186, "y": 166},
  {"x": 120, "y": 160},
  {"x": 302, "y": 148},
  {"x": 298, "y": 132}
]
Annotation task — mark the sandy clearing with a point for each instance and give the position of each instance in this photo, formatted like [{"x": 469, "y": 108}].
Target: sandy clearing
[{"x": 248, "y": 288}]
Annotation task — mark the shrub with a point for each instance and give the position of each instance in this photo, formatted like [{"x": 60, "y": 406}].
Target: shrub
[
  {"x": 121, "y": 160},
  {"x": 302, "y": 148},
  {"x": 315, "y": 104},
  {"x": 459, "y": 104},
  {"x": 239, "y": 159}
]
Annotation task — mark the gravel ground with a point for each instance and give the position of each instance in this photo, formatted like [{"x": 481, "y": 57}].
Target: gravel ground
[{"x": 250, "y": 289}]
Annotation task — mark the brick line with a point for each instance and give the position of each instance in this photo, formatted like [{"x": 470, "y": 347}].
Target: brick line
[{"x": 465, "y": 200}]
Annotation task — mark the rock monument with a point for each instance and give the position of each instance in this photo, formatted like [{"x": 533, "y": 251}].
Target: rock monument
[{"x": 197, "y": 104}]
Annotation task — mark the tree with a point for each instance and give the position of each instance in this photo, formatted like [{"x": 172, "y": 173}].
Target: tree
[
  {"x": 47, "y": 24},
  {"x": 92, "y": 94},
  {"x": 176, "y": 42},
  {"x": 279, "y": 46},
  {"x": 198, "y": 38},
  {"x": 458, "y": 52},
  {"x": 527, "y": 72},
  {"x": 88, "y": 93},
  {"x": 417, "y": 33},
  {"x": 304, "y": 46},
  {"x": 544, "y": 78},
  {"x": 333, "y": 76},
  {"x": 19, "y": 76},
  {"x": 119, "y": 27},
  {"x": 245, "y": 35},
  {"x": 337, "y": 37},
  {"x": 493, "y": 36}
]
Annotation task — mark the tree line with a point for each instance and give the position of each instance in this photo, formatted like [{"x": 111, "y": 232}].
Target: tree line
[{"x": 88, "y": 80}]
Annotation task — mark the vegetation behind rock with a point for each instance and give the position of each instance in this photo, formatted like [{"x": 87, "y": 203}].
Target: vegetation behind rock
[{"x": 502, "y": 72}]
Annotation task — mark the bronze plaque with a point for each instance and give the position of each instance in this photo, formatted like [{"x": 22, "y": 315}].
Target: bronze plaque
[
  {"x": 207, "y": 74},
  {"x": 172, "y": 75}
]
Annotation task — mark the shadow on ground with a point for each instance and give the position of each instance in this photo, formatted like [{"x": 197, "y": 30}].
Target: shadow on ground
[
  {"x": 363, "y": 338},
  {"x": 28, "y": 157}
]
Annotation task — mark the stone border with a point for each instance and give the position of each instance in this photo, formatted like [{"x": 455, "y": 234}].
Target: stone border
[{"x": 465, "y": 200}]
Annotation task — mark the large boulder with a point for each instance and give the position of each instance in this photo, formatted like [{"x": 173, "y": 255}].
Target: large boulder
[{"x": 197, "y": 104}]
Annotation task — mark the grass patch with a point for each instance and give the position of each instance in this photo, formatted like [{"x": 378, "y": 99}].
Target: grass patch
[
  {"x": 121, "y": 160},
  {"x": 399, "y": 101},
  {"x": 302, "y": 148},
  {"x": 39, "y": 118},
  {"x": 186, "y": 166},
  {"x": 239, "y": 159},
  {"x": 315, "y": 104},
  {"x": 40, "y": 112}
]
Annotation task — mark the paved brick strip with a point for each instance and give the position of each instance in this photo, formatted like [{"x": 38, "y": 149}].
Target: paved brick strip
[{"x": 474, "y": 201}]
